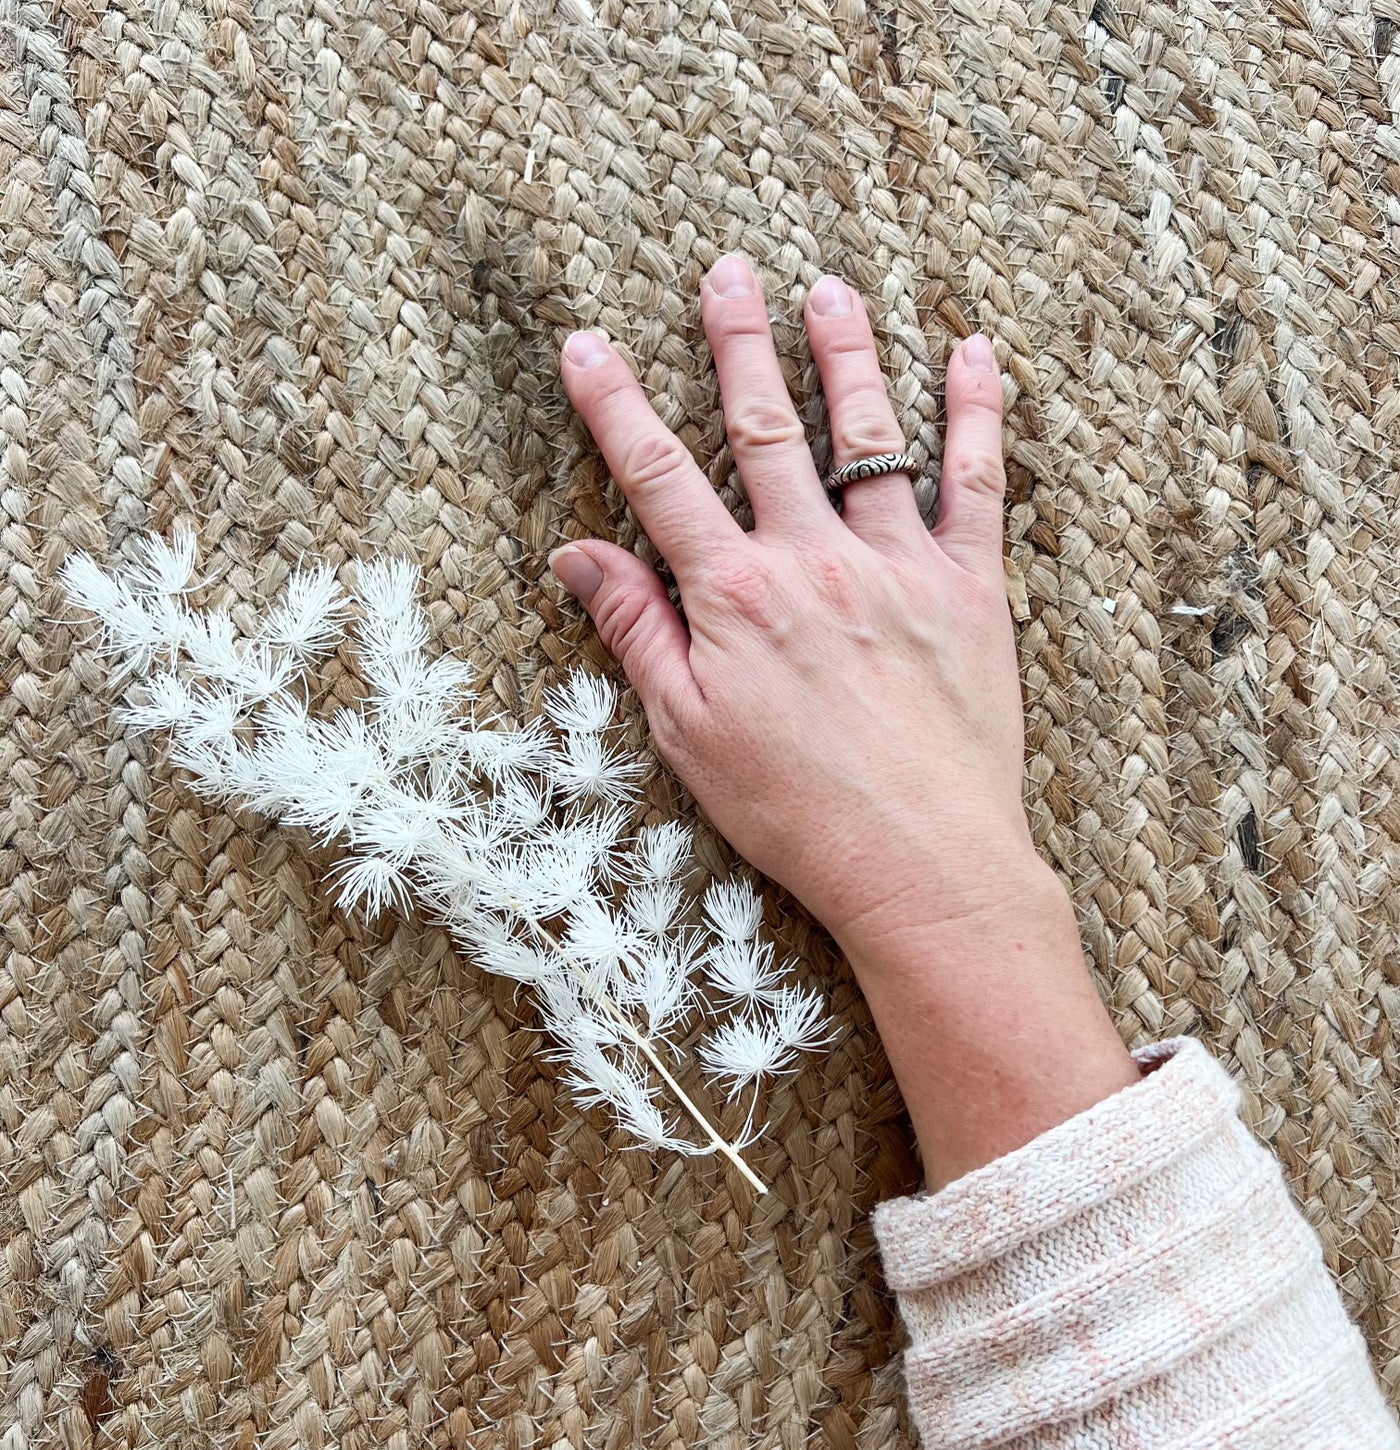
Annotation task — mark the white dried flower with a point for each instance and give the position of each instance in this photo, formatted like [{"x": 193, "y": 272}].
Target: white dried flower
[
  {"x": 742, "y": 971},
  {"x": 584, "y": 703},
  {"x": 750, "y": 1046},
  {"x": 310, "y": 619},
  {"x": 733, "y": 909},
  {"x": 661, "y": 851},
  {"x": 516, "y": 838}
]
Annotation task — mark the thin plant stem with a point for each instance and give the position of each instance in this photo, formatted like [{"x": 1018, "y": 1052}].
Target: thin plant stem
[
  {"x": 639, "y": 1039},
  {"x": 644, "y": 1043}
]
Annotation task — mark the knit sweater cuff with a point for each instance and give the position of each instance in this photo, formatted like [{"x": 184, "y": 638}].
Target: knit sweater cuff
[{"x": 1138, "y": 1271}]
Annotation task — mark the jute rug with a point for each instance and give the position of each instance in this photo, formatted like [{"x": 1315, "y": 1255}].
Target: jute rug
[{"x": 297, "y": 273}]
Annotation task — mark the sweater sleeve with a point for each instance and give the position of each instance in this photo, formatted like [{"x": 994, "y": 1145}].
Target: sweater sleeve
[{"x": 1137, "y": 1277}]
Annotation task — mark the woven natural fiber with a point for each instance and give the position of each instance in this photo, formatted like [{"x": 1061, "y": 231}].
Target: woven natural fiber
[{"x": 297, "y": 272}]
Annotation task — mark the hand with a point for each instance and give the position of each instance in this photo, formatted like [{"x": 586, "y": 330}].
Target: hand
[
  {"x": 845, "y": 703},
  {"x": 842, "y": 699}
]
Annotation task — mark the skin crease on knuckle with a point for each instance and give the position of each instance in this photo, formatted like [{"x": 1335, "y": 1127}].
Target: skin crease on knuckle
[
  {"x": 864, "y": 426},
  {"x": 866, "y": 433},
  {"x": 621, "y": 617},
  {"x": 729, "y": 324},
  {"x": 976, "y": 471},
  {"x": 653, "y": 461},
  {"x": 746, "y": 586},
  {"x": 847, "y": 596},
  {"x": 762, "y": 423}
]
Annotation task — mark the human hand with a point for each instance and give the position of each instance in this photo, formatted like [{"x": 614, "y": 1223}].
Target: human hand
[
  {"x": 842, "y": 698},
  {"x": 845, "y": 704}
]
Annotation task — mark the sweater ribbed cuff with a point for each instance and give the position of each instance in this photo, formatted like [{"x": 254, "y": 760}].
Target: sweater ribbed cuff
[{"x": 1136, "y": 1275}]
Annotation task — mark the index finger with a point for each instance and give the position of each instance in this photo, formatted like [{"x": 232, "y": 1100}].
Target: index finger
[{"x": 673, "y": 501}]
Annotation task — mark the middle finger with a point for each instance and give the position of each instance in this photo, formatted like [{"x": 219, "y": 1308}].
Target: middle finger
[{"x": 765, "y": 433}]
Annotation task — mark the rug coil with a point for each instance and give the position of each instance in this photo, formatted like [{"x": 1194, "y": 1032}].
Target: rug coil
[{"x": 298, "y": 275}]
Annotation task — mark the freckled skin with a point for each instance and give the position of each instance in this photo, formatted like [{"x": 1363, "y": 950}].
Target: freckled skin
[
  {"x": 944, "y": 763},
  {"x": 843, "y": 701}
]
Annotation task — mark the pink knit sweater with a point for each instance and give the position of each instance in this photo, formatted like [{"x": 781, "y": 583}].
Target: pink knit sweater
[{"x": 1136, "y": 1278}]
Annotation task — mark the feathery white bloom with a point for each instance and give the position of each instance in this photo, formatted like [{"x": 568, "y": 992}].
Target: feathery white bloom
[
  {"x": 311, "y": 618},
  {"x": 499, "y": 951},
  {"x": 600, "y": 1078},
  {"x": 588, "y": 767},
  {"x": 658, "y": 982},
  {"x": 392, "y": 627},
  {"x": 209, "y": 641},
  {"x": 750, "y": 1047},
  {"x": 800, "y": 1019},
  {"x": 583, "y": 704},
  {"x": 501, "y": 754},
  {"x": 733, "y": 910},
  {"x": 163, "y": 568},
  {"x": 261, "y": 673},
  {"x": 661, "y": 850},
  {"x": 518, "y": 839},
  {"x": 644, "y": 1120},
  {"x": 742, "y": 971},
  {"x": 214, "y": 718},
  {"x": 596, "y": 936},
  {"x": 521, "y": 803},
  {"x": 652, "y": 909},
  {"x": 132, "y": 626},
  {"x": 168, "y": 702},
  {"x": 599, "y": 833},
  {"x": 373, "y": 882}
]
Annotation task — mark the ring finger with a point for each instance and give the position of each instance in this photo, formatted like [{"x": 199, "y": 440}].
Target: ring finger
[{"x": 882, "y": 509}]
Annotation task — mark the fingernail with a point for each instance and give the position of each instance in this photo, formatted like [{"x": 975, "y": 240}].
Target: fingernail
[
  {"x": 576, "y": 572},
  {"x": 831, "y": 298},
  {"x": 730, "y": 277},
  {"x": 586, "y": 349},
  {"x": 978, "y": 355}
]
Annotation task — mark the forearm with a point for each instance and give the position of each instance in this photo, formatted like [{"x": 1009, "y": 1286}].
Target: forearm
[
  {"x": 1127, "y": 1266},
  {"x": 1136, "y": 1275},
  {"x": 990, "y": 1020}
]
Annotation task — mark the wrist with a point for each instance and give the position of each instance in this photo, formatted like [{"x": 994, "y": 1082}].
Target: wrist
[
  {"x": 934, "y": 908},
  {"x": 989, "y": 1018}
]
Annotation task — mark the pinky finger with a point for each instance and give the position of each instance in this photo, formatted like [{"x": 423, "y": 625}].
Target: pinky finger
[{"x": 973, "y": 485}]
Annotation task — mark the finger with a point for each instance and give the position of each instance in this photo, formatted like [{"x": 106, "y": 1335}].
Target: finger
[
  {"x": 766, "y": 435},
  {"x": 881, "y": 510},
  {"x": 672, "y": 499},
  {"x": 635, "y": 620},
  {"x": 973, "y": 483}
]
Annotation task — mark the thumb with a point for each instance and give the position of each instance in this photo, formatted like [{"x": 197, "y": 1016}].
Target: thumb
[
  {"x": 973, "y": 484},
  {"x": 634, "y": 618}
]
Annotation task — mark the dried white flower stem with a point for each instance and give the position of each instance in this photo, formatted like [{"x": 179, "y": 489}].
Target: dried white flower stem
[
  {"x": 716, "y": 1139},
  {"x": 629, "y": 1030},
  {"x": 514, "y": 837}
]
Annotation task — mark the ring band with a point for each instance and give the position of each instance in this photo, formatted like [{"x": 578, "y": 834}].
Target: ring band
[{"x": 872, "y": 466}]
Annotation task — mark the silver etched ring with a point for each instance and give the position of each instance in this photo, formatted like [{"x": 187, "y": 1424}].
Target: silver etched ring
[{"x": 872, "y": 466}]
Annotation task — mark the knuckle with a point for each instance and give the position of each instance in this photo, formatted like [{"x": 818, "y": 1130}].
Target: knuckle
[
  {"x": 748, "y": 587},
  {"x": 865, "y": 425},
  {"x": 622, "y": 621},
  {"x": 763, "y": 423},
  {"x": 834, "y": 580},
  {"x": 748, "y": 320},
  {"x": 653, "y": 460},
  {"x": 852, "y": 341},
  {"x": 978, "y": 470}
]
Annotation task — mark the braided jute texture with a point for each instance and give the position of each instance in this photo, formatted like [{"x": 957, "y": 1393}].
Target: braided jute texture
[{"x": 296, "y": 273}]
